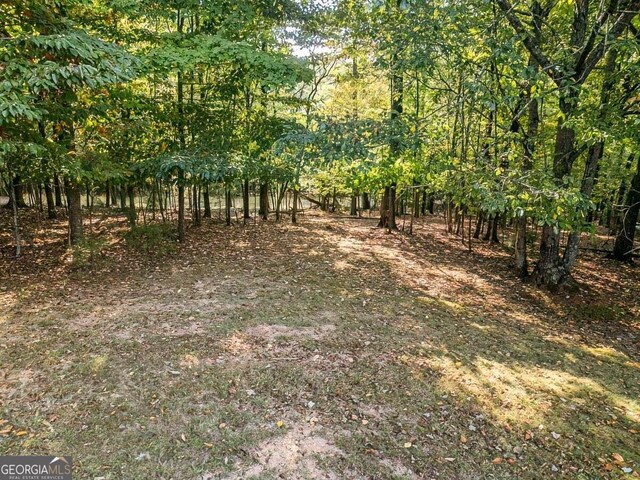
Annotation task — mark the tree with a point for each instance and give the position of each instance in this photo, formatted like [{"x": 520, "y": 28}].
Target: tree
[
  {"x": 589, "y": 37},
  {"x": 49, "y": 62}
]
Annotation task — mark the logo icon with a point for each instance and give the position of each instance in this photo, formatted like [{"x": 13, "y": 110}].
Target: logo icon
[{"x": 35, "y": 468}]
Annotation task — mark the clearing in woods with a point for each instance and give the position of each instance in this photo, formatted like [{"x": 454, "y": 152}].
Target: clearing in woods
[{"x": 323, "y": 350}]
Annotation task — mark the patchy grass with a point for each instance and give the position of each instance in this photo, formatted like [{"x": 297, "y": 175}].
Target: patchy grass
[{"x": 323, "y": 350}]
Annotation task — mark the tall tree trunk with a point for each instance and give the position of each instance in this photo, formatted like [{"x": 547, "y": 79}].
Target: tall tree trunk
[
  {"x": 246, "y": 209},
  {"x": 227, "y": 205},
  {"x": 594, "y": 156},
  {"x": 161, "y": 199},
  {"x": 281, "y": 193},
  {"x": 195, "y": 207},
  {"x": 107, "y": 194},
  {"x": 153, "y": 201},
  {"x": 613, "y": 215},
  {"x": 494, "y": 229},
  {"x": 353, "y": 211},
  {"x": 131, "y": 213},
  {"x": 487, "y": 234},
  {"x": 623, "y": 247},
  {"x": 18, "y": 194},
  {"x": 207, "y": 202},
  {"x": 181, "y": 220},
  {"x": 16, "y": 224},
  {"x": 479, "y": 223},
  {"x": 550, "y": 271},
  {"x": 528, "y": 147},
  {"x": 388, "y": 215},
  {"x": 366, "y": 201},
  {"x": 294, "y": 208},
  {"x": 57, "y": 191},
  {"x": 123, "y": 196},
  {"x": 75, "y": 211},
  {"x": 51, "y": 206},
  {"x": 392, "y": 225},
  {"x": 522, "y": 264},
  {"x": 181, "y": 138},
  {"x": 66, "y": 137},
  {"x": 384, "y": 208},
  {"x": 264, "y": 201}
]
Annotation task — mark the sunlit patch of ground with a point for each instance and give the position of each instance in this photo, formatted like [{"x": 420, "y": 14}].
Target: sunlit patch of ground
[{"x": 330, "y": 349}]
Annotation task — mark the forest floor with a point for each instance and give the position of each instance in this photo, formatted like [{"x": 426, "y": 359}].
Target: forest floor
[{"x": 324, "y": 350}]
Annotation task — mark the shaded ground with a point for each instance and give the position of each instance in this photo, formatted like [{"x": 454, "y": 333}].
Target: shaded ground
[{"x": 326, "y": 350}]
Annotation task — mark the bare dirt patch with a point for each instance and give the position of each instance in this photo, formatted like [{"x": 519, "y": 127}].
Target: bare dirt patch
[
  {"x": 271, "y": 332},
  {"x": 293, "y": 456}
]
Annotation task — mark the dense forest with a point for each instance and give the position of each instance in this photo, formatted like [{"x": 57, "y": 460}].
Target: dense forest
[
  {"x": 321, "y": 239},
  {"x": 523, "y": 115}
]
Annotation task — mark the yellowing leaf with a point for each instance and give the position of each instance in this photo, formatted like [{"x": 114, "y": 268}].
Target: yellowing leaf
[
  {"x": 21, "y": 433},
  {"x": 280, "y": 424}
]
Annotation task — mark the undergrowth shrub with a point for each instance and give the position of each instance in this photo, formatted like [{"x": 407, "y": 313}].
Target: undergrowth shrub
[
  {"x": 87, "y": 252},
  {"x": 156, "y": 238}
]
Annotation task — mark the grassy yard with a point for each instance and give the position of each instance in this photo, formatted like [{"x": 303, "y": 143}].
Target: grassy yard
[{"x": 326, "y": 350}]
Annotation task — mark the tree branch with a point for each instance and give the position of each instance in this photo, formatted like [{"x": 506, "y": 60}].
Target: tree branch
[
  {"x": 529, "y": 42},
  {"x": 621, "y": 24}
]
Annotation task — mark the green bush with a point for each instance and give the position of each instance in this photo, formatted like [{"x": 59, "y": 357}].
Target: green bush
[
  {"x": 156, "y": 238},
  {"x": 87, "y": 252}
]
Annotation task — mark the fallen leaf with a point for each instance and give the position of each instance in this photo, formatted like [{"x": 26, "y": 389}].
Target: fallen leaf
[
  {"x": 463, "y": 439},
  {"x": 280, "y": 424},
  {"x": 21, "y": 433},
  {"x": 497, "y": 461},
  {"x": 408, "y": 445}
]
